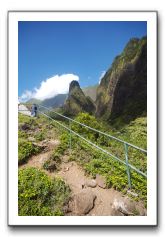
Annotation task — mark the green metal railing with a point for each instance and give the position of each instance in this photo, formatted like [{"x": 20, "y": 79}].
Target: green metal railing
[{"x": 125, "y": 144}]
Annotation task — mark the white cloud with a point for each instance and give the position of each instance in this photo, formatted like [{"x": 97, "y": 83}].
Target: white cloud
[
  {"x": 26, "y": 95},
  {"x": 101, "y": 76},
  {"x": 58, "y": 84}
]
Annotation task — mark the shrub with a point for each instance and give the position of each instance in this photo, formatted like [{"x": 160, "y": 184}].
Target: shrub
[
  {"x": 22, "y": 134},
  {"x": 90, "y": 121},
  {"x": 38, "y": 195},
  {"x": 25, "y": 150}
]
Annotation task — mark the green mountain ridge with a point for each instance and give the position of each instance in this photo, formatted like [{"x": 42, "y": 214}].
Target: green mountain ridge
[{"x": 123, "y": 89}]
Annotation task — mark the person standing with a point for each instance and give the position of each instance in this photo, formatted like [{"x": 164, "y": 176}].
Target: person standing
[{"x": 34, "y": 110}]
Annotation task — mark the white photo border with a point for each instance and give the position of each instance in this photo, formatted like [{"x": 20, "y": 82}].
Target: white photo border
[{"x": 13, "y": 18}]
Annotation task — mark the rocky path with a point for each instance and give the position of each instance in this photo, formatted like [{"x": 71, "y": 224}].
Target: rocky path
[
  {"x": 89, "y": 197},
  {"x": 80, "y": 184},
  {"x": 38, "y": 160}
]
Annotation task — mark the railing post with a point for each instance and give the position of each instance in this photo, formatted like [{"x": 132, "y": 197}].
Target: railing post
[
  {"x": 70, "y": 136},
  {"x": 126, "y": 161}
]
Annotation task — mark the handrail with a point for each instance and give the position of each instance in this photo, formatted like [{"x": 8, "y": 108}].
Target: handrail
[
  {"x": 91, "y": 143},
  {"x": 84, "y": 125}
]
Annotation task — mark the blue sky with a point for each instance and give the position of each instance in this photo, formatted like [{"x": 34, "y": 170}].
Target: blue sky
[{"x": 81, "y": 50}]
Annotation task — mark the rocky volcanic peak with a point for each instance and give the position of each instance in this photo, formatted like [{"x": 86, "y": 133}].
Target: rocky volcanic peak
[
  {"x": 77, "y": 101},
  {"x": 74, "y": 85},
  {"x": 123, "y": 89}
]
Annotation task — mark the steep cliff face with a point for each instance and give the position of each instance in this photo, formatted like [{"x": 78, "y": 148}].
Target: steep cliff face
[
  {"x": 123, "y": 90},
  {"x": 77, "y": 101}
]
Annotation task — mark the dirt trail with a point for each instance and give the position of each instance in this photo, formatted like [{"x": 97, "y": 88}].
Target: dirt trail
[
  {"x": 75, "y": 177},
  {"x": 38, "y": 160}
]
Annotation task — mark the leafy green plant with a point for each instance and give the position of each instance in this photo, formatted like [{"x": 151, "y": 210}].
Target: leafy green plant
[
  {"x": 90, "y": 121},
  {"x": 38, "y": 195}
]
